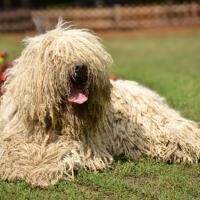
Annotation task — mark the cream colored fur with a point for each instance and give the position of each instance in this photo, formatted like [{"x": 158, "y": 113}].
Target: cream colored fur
[{"x": 42, "y": 142}]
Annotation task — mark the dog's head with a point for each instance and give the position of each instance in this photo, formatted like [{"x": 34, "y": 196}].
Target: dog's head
[{"x": 63, "y": 72}]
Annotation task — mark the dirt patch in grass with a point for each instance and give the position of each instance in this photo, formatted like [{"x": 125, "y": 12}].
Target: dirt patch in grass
[{"x": 135, "y": 181}]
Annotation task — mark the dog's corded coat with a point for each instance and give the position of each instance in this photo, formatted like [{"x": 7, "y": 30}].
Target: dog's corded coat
[{"x": 44, "y": 137}]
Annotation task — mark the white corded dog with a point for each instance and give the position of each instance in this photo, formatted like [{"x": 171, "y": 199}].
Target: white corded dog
[{"x": 60, "y": 113}]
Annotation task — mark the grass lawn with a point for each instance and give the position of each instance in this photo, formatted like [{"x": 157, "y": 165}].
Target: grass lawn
[{"x": 170, "y": 65}]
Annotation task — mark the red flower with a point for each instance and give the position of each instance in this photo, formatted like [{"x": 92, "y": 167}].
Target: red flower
[
  {"x": 113, "y": 77},
  {"x": 3, "y": 68}
]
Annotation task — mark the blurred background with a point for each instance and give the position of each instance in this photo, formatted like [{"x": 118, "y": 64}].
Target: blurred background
[
  {"x": 154, "y": 42},
  {"x": 103, "y": 15}
]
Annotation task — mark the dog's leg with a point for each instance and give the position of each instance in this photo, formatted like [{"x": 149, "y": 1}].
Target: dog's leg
[
  {"x": 96, "y": 155},
  {"x": 39, "y": 163},
  {"x": 42, "y": 162}
]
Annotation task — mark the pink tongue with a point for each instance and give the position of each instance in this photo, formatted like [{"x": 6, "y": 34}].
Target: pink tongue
[{"x": 78, "y": 97}]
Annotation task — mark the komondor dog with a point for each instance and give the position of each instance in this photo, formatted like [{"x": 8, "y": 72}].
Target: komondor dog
[{"x": 60, "y": 113}]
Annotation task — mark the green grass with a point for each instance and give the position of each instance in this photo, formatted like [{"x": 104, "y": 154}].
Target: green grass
[{"x": 171, "y": 66}]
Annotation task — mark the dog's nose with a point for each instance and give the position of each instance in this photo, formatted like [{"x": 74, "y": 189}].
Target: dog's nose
[{"x": 79, "y": 67}]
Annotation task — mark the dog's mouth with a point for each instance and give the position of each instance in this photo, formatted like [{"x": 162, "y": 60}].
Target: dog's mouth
[
  {"x": 77, "y": 96},
  {"x": 79, "y": 83}
]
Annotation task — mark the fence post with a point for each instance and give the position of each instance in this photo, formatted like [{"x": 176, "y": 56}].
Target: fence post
[
  {"x": 116, "y": 16},
  {"x": 194, "y": 9}
]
